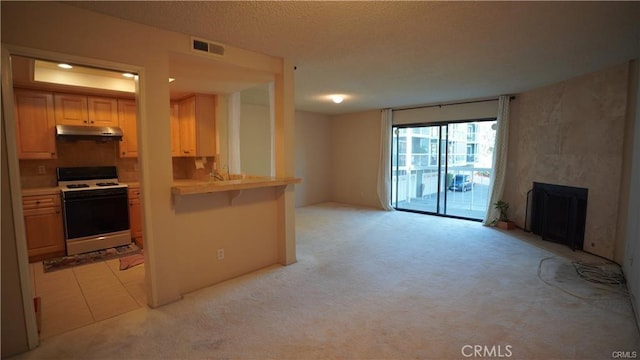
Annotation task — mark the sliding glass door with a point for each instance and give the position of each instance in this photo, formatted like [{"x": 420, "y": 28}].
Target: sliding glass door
[{"x": 444, "y": 168}]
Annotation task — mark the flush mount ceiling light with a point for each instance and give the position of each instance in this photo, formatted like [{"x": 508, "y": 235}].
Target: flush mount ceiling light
[
  {"x": 337, "y": 98},
  {"x": 65, "y": 66},
  {"x": 171, "y": 80}
]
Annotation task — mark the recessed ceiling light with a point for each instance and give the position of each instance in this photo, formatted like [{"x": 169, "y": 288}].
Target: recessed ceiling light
[
  {"x": 171, "y": 80},
  {"x": 128, "y": 75},
  {"x": 337, "y": 98},
  {"x": 65, "y": 66}
]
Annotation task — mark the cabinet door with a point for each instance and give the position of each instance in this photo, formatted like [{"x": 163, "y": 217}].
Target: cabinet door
[
  {"x": 71, "y": 109},
  {"x": 102, "y": 111},
  {"x": 187, "y": 118},
  {"x": 205, "y": 123},
  {"x": 197, "y": 123},
  {"x": 175, "y": 129},
  {"x": 45, "y": 238},
  {"x": 127, "y": 118},
  {"x": 35, "y": 124},
  {"x": 135, "y": 214}
]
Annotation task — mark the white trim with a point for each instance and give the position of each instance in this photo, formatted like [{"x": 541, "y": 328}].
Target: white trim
[
  {"x": 14, "y": 182},
  {"x": 233, "y": 134},
  {"x": 272, "y": 125},
  {"x": 14, "y": 168}
]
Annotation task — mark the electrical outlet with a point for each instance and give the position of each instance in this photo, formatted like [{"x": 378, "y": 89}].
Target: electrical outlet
[
  {"x": 41, "y": 170},
  {"x": 220, "y": 254}
]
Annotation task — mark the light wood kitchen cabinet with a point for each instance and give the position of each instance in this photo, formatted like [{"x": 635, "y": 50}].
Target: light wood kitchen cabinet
[
  {"x": 35, "y": 124},
  {"x": 135, "y": 215},
  {"x": 71, "y": 109},
  {"x": 197, "y": 124},
  {"x": 175, "y": 129},
  {"x": 43, "y": 226},
  {"x": 127, "y": 118}
]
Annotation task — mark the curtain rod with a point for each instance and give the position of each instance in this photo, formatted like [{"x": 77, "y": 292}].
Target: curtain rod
[{"x": 512, "y": 97}]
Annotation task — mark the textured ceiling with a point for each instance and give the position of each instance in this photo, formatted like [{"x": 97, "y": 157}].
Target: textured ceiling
[{"x": 393, "y": 54}]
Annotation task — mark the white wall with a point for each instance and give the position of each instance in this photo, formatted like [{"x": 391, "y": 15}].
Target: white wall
[
  {"x": 453, "y": 112},
  {"x": 355, "y": 153},
  {"x": 313, "y": 148},
  {"x": 631, "y": 263},
  {"x": 255, "y": 140}
]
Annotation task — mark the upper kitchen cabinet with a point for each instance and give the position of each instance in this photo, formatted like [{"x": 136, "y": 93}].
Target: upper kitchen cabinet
[
  {"x": 71, "y": 109},
  {"x": 197, "y": 125},
  {"x": 128, "y": 117},
  {"x": 35, "y": 124}
]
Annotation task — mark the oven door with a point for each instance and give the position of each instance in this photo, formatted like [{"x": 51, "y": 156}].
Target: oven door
[{"x": 95, "y": 212}]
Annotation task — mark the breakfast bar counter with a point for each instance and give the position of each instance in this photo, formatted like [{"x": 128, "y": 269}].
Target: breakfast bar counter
[{"x": 191, "y": 187}]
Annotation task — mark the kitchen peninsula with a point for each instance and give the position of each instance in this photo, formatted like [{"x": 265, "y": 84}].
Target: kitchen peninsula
[{"x": 190, "y": 187}]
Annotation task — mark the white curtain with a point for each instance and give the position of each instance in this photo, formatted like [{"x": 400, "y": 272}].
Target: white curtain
[
  {"x": 234, "y": 133},
  {"x": 384, "y": 164},
  {"x": 496, "y": 184},
  {"x": 272, "y": 119}
]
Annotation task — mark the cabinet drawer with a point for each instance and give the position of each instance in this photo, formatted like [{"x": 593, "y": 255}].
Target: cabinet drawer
[{"x": 40, "y": 201}]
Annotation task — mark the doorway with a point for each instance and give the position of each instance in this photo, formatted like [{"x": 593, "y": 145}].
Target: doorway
[
  {"x": 69, "y": 298},
  {"x": 444, "y": 168}
]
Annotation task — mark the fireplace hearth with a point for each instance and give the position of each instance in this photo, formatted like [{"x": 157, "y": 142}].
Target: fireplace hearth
[{"x": 559, "y": 213}]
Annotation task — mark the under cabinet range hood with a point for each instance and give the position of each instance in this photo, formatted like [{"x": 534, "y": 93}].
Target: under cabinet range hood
[{"x": 97, "y": 133}]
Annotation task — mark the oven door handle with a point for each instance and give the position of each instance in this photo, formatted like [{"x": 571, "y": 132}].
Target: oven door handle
[{"x": 95, "y": 197}]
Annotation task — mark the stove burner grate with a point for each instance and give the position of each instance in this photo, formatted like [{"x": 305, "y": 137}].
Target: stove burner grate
[
  {"x": 77, "y": 186},
  {"x": 108, "y": 183}
]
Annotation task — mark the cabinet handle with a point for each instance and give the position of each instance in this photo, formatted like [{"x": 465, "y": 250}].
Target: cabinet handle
[
  {"x": 54, "y": 154},
  {"x": 92, "y": 121},
  {"x": 123, "y": 153},
  {"x": 85, "y": 121}
]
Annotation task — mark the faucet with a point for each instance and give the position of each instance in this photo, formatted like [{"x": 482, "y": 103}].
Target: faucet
[{"x": 214, "y": 175}]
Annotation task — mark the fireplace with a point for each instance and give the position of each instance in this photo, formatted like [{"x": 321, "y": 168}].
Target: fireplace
[{"x": 559, "y": 213}]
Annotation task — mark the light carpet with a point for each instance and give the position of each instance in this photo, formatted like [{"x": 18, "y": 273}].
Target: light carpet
[{"x": 372, "y": 284}]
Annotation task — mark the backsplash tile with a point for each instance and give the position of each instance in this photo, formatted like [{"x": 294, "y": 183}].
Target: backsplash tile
[
  {"x": 77, "y": 153},
  {"x": 92, "y": 153},
  {"x": 185, "y": 168}
]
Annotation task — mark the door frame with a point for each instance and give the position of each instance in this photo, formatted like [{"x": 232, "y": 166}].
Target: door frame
[
  {"x": 10, "y": 136},
  {"x": 440, "y": 125}
]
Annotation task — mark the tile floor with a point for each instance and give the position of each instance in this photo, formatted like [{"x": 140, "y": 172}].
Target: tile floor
[{"x": 78, "y": 296}]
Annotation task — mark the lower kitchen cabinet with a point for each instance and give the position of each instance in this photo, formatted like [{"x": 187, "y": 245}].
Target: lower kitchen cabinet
[
  {"x": 135, "y": 215},
  {"x": 43, "y": 226}
]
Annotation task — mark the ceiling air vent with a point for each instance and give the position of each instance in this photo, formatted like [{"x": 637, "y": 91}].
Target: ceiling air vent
[{"x": 204, "y": 46}]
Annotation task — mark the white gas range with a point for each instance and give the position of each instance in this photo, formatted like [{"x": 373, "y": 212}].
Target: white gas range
[{"x": 95, "y": 207}]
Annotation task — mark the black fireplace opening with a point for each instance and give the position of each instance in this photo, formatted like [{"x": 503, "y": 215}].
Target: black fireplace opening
[{"x": 559, "y": 213}]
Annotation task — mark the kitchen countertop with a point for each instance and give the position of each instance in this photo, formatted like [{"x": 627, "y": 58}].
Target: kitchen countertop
[{"x": 189, "y": 187}]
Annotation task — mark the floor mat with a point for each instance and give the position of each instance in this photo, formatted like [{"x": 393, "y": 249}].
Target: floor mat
[
  {"x": 66, "y": 262},
  {"x": 127, "y": 262}
]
